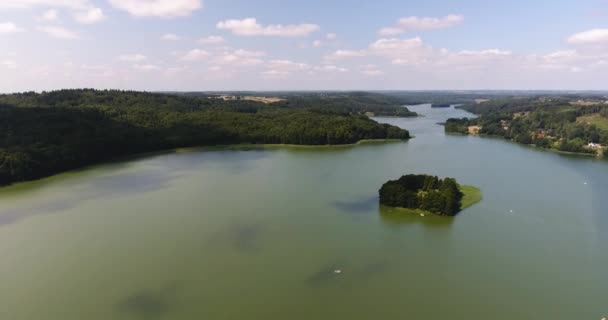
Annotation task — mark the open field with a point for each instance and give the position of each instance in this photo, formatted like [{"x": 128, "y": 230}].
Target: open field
[{"x": 594, "y": 119}]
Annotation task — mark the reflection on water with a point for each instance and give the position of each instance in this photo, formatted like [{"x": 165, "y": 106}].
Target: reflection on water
[
  {"x": 365, "y": 205},
  {"x": 110, "y": 186},
  {"x": 149, "y": 304},
  {"x": 399, "y": 217}
]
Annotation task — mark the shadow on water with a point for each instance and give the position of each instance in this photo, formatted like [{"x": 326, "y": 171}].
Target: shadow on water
[
  {"x": 231, "y": 160},
  {"x": 241, "y": 236},
  {"x": 169, "y": 165},
  {"x": 374, "y": 268},
  {"x": 325, "y": 275},
  {"x": 148, "y": 303},
  {"x": 358, "y": 206},
  {"x": 398, "y": 217},
  {"x": 246, "y": 237},
  {"x": 118, "y": 185}
]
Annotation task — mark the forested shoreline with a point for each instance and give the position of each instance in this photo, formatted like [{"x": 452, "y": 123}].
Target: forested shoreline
[
  {"x": 558, "y": 123},
  {"x": 46, "y": 133}
]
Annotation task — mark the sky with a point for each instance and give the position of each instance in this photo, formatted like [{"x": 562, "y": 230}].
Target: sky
[{"x": 196, "y": 45}]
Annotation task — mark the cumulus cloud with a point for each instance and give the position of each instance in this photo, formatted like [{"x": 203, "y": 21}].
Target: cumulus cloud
[
  {"x": 250, "y": 27},
  {"x": 282, "y": 68},
  {"x": 240, "y": 58},
  {"x": 59, "y": 32},
  {"x": 211, "y": 40},
  {"x": 249, "y": 53},
  {"x": 169, "y": 37},
  {"x": 591, "y": 37},
  {"x": 421, "y": 23},
  {"x": 9, "y": 64},
  {"x": 9, "y": 27},
  {"x": 371, "y": 70},
  {"x": 390, "y": 31},
  {"x": 195, "y": 55},
  {"x": 331, "y": 36},
  {"x": 137, "y": 57},
  {"x": 83, "y": 10},
  {"x": 158, "y": 8},
  {"x": 330, "y": 68},
  {"x": 339, "y": 54},
  {"x": 50, "y": 16},
  {"x": 89, "y": 16},
  {"x": 403, "y": 51},
  {"x": 146, "y": 67},
  {"x": 28, "y": 4}
]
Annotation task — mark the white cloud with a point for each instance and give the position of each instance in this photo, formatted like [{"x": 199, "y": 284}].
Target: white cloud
[
  {"x": 421, "y": 23},
  {"x": 330, "y": 68},
  {"x": 28, "y": 4},
  {"x": 407, "y": 51},
  {"x": 288, "y": 65},
  {"x": 239, "y": 58},
  {"x": 89, "y": 16},
  {"x": 137, "y": 57},
  {"x": 211, "y": 40},
  {"x": 248, "y": 53},
  {"x": 426, "y": 23},
  {"x": 50, "y": 16},
  {"x": 339, "y": 54},
  {"x": 158, "y": 8},
  {"x": 9, "y": 27},
  {"x": 282, "y": 68},
  {"x": 250, "y": 27},
  {"x": 317, "y": 43},
  {"x": 146, "y": 67},
  {"x": 593, "y": 36},
  {"x": 83, "y": 10},
  {"x": 371, "y": 70},
  {"x": 195, "y": 55},
  {"x": 169, "y": 37},
  {"x": 9, "y": 64},
  {"x": 572, "y": 60},
  {"x": 390, "y": 31},
  {"x": 59, "y": 32},
  {"x": 331, "y": 36},
  {"x": 275, "y": 73}
]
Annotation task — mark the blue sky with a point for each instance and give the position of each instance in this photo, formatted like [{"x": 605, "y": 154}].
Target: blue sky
[{"x": 308, "y": 45}]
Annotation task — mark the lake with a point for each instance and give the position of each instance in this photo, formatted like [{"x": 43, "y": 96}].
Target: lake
[{"x": 258, "y": 234}]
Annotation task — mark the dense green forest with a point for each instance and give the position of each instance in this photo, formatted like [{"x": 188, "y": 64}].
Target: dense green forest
[
  {"x": 46, "y": 133},
  {"x": 425, "y": 192},
  {"x": 358, "y": 102},
  {"x": 559, "y": 123}
]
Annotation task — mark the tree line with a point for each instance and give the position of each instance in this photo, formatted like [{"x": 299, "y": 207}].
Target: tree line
[
  {"x": 546, "y": 123},
  {"x": 43, "y": 134}
]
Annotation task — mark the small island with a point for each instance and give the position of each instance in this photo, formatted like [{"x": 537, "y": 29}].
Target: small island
[{"x": 428, "y": 194}]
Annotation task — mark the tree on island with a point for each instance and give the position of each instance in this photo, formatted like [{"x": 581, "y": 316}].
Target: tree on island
[{"x": 425, "y": 192}]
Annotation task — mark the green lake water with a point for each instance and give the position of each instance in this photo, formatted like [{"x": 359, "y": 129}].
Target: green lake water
[{"x": 257, "y": 234}]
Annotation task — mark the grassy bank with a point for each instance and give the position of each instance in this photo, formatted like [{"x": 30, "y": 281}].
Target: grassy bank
[{"x": 472, "y": 195}]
